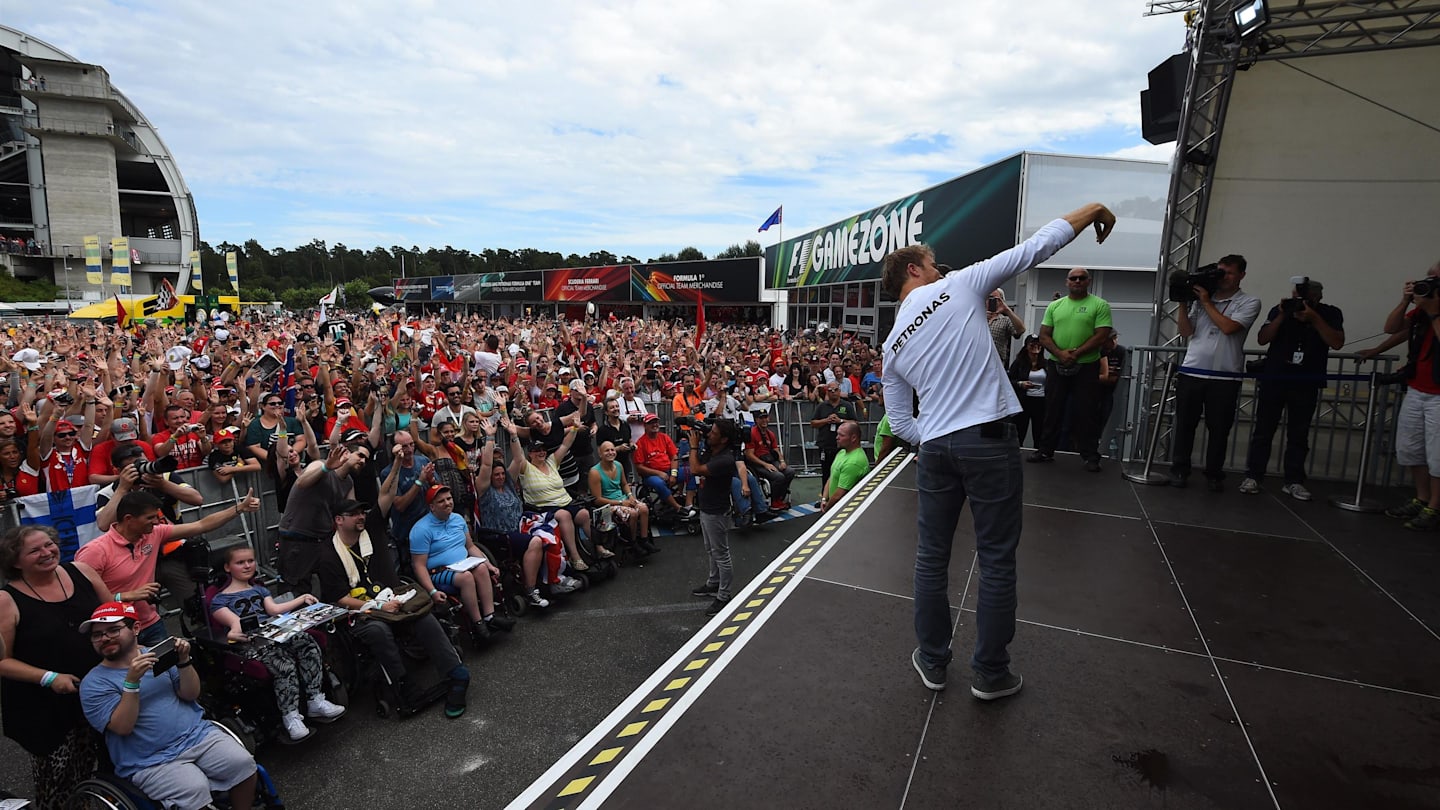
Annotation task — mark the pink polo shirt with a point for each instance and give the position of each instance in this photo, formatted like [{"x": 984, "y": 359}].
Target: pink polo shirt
[{"x": 127, "y": 568}]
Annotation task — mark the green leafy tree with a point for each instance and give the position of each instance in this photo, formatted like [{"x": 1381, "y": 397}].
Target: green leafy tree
[
  {"x": 750, "y": 248},
  {"x": 690, "y": 254},
  {"x": 13, "y": 289}
]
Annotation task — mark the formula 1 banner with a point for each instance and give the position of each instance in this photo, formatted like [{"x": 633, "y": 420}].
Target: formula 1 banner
[
  {"x": 718, "y": 280},
  {"x": 412, "y": 289},
  {"x": 442, "y": 288},
  {"x": 588, "y": 283},
  {"x": 963, "y": 220},
  {"x": 515, "y": 285}
]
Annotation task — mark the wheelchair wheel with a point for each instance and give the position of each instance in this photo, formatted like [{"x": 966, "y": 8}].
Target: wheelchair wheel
[
  {"x": 518, "y": 604},
  {"x": 608, "y": 569},
  {"x": 233, "y": 727},
  {"x": 102, "y": 794}
]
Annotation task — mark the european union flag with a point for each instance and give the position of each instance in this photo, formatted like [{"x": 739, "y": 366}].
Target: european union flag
[{"x": 773, "y": 220}]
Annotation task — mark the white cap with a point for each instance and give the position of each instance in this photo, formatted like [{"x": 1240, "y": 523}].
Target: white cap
[
  {"x": 200, "y": 361},
  {"x": 222, "y": 335},
  {"x": 177, "y": 356},
  {"x": 29, "y": 358}
]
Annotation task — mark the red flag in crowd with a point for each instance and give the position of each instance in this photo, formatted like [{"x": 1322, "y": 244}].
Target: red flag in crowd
[{"x": 121, "y": 316}]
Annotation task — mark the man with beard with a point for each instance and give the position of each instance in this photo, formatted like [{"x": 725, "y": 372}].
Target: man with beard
[{"x": 156, "y": 733}]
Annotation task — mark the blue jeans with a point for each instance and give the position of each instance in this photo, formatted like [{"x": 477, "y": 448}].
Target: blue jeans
[
  {"x": 961, "y": 465},
  {"x": 757, "y": 498}
]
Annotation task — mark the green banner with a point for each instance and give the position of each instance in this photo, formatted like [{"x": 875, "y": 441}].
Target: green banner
[{"x": 963, "y": 220}]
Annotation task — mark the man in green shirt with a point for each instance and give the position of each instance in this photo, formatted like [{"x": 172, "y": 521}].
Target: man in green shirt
[
  {"x": 850, "y": 465},
  {"x": 1074, "y": 329}
]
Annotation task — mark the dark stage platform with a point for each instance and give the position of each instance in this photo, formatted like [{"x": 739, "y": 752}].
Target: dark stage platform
[{"x": 1181, "y": 649}]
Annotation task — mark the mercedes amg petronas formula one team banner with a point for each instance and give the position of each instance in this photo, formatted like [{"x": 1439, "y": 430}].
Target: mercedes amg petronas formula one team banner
[{"x": 963, "y": 220}]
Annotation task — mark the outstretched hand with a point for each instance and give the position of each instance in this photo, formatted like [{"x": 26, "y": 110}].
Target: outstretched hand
[{"x": 1104, "y": 224}]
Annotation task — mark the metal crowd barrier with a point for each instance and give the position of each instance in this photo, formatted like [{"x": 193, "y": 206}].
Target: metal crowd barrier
[{"x": 1337, "y": 433}]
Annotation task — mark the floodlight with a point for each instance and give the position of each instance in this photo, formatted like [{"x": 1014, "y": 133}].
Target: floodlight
[{"x": 1250, "y": 17}]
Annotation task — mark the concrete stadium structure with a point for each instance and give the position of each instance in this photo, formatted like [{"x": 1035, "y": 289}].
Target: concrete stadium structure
[{"x": 77, "y": 159}]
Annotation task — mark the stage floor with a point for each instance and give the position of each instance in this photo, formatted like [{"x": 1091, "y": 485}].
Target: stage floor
[{"x": 1180, "y": 648}]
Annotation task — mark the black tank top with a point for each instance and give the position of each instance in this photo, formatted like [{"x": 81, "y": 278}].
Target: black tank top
[{"x": 48, "y": 637}]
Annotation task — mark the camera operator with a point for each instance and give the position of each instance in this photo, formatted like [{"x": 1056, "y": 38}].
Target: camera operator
[
  {"x": 1416, "y": 446},
  {"x": 1004, "y": 324},
  {"x": 1209, "y": 384},
  {"x": 1299, "y": 334}
]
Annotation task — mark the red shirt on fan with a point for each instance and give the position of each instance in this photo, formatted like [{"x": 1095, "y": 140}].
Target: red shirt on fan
[
  {"x": 1424, "y": 379},
  {"x": 64, "y": 470}
]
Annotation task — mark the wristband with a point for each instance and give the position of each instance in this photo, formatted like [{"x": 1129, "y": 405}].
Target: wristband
[
  {"x": 129, "y": 686},
  {"x": 183, "y": 664},
  {"x": 434, "y": 591},
  {"x": 117, "y": 596},
  {"x": 48, "y": 678}
]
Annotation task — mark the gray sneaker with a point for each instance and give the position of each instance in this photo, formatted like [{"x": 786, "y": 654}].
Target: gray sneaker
[
  {"x": 932, "y": 677},
  {"x": 1250, "y": 486},
  {"x": 1003, "y": 686},
  {"x": 1297, "y": 491}
]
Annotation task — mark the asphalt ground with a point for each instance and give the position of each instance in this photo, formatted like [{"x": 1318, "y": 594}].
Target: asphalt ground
[{"x": 534, "y": 693}]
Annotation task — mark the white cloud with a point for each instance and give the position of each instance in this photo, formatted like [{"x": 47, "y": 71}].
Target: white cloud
[{"x": 600, "y": 119}]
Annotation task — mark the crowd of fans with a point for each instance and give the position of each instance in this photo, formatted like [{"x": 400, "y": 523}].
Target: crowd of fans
[{"x": 394, "y": 445}]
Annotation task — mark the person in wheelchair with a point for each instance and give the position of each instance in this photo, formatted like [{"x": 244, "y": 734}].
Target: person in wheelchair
[
  {"x": 765, "y": 460},
  {"x": 242, "y": 604},
  {"x": 657, "y": 464},
  {"x": 609, "y": 486},
  {"x": 154, "y": 730},
  {"x": 447, "y": 563},
  {"x": 356, "y": 566},
  {"x": 545, "y": 492},
  {"x": 501, "y": 511}
]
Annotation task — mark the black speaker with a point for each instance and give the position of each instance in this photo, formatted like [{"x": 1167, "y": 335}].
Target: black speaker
[
  {"x": 1157, "y": 129},
  {"x": 1160, "y": 105}
]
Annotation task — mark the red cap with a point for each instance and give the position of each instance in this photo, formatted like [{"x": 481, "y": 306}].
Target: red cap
[
  {"x": 225, "y": 435},
  {"x": 342, "y": 402},
  {"x": 273, "y": 345},
  {"x": 434, "y": 492},
  {"x": 109, "y": 613},
  {"x": 65, "y": 423}
]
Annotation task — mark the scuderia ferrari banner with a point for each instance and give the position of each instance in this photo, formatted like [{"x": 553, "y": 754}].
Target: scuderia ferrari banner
[{"x": 962, "y": 220}]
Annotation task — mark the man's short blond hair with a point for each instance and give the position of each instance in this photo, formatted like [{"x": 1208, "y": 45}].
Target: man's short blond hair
[{"x": 894, "y": 271}]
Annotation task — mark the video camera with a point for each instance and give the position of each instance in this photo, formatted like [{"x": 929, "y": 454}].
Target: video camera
[
  {"x": 1182, "y": 284},
  {"x": 1290, "y": 306}
]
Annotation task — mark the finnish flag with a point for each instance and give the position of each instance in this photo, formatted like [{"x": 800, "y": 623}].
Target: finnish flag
[{"x": 71, "y": 513}]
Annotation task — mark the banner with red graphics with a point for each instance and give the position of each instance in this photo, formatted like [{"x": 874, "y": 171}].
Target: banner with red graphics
[
  {"x": 729, "y": 280},
  {"x": 588, "y": 284}
]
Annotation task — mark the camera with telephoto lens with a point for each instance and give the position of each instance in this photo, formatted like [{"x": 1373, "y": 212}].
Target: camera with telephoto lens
[
  {"x": 1182, "y": 284},
  {"x": 1290, "y": 306},
  {"x": 160, "y": 466},
  {"x": 1425, "y": 287}
]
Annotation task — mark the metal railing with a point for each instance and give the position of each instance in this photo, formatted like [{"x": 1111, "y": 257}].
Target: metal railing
[
  {"x": 76, "y": 89},
  {"x": 1337, "y": 432},
  {"x": 66, "y": 126}
]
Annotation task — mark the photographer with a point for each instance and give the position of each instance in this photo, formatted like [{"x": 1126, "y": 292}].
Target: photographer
[
  {"x": 1004, "y": 324},
  {"x": 1215, "y": 325},
  {"x": 1299, "y": 334},
  {"x": 1416, "y": 446}
]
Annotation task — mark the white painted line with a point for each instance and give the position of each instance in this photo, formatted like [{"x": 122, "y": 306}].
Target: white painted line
[{"x": 540, "y": 789}]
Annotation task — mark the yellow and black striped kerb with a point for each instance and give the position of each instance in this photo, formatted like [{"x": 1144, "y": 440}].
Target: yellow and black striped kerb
[{"x": 685, "y": 678}]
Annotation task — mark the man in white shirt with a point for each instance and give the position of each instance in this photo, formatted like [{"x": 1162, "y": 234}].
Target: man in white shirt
[
  {"x": 941, "y": 349},
  {"x": 487, "y": 361},
  {"x": 1209, "y": 380}
]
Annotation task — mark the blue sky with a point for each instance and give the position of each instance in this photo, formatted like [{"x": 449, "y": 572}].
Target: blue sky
[{"x": 637, "y": 127}]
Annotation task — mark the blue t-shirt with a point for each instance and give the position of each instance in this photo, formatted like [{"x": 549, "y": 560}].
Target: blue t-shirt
[
  {"x": 443, "y": 542},
  {"x": 165, "y": 727},
  {"x": 246, "y": 603},
  {"x": 400, "y": 521}
]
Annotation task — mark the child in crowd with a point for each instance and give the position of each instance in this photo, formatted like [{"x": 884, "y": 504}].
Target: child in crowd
[{"x": 242, "y": 600}]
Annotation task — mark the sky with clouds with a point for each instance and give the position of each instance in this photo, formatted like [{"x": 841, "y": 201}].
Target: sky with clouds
[{"x": 637, "y": 127}]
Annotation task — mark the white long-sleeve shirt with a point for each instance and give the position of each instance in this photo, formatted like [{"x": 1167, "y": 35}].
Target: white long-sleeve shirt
[{"x": 940, "y": 346}]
